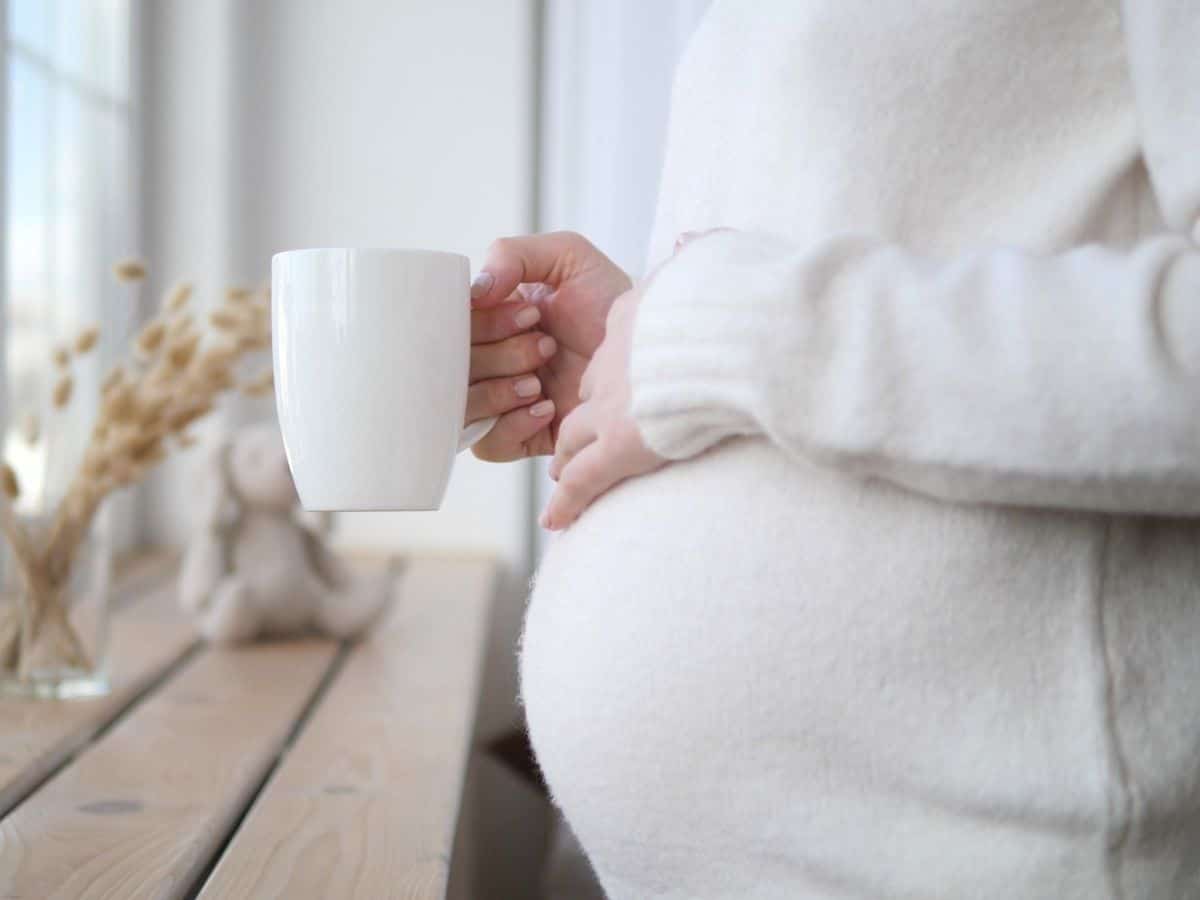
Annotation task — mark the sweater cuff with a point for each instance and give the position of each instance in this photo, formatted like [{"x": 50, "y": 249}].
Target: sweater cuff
[{"x": 698, "y": 345}]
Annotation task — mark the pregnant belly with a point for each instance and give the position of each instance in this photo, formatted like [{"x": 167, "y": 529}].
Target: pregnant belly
[{"x": 747, "y": 655}]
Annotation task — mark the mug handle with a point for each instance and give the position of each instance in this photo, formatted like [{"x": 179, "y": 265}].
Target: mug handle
[{"x": 476, "y": 432}]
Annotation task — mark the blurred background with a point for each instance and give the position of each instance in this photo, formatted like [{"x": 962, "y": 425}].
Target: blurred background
[{"x": 205, "y": 135}]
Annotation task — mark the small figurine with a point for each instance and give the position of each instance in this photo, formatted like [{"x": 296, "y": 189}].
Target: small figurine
[{"x": 254, "y": 569}]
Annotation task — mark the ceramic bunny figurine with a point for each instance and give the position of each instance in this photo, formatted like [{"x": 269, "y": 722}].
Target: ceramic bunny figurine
[{"x": 253, "y": 569}]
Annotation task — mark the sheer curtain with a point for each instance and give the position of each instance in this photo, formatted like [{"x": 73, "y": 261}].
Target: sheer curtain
[
  {"x": 69, "y": 212},
  {"x": 606, "y": 84},
  {"x": 606, "y": 89}
]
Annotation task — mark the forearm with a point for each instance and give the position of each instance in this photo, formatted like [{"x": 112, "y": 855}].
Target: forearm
[{"x": 1066, "y": 380}]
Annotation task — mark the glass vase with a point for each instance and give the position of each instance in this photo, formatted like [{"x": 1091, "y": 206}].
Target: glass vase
[{"x": 54, "y": 613}]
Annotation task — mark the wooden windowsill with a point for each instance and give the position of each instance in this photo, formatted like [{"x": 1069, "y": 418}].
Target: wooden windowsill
[{"x": 300, "y": 769}]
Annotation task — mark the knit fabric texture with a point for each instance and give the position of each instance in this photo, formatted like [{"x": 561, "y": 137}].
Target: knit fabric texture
[{"x": 915, "y": 611}]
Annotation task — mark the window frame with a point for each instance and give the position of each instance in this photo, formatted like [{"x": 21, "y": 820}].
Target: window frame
[{"x": 121, "y": 517}]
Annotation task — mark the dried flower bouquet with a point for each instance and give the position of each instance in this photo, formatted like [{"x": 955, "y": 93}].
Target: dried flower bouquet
[{"x": 173, "y": 375}]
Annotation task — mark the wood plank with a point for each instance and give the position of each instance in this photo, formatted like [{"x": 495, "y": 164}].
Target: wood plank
[
  {"x": 365, "y": 803},
  {"x": 148, "y": 637},
  {"x": 140, "y": 573},
  {"x": 142, "y": 812}
]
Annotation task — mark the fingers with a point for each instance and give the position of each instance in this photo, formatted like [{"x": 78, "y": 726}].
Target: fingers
[
  {"x": 534, "y": 292},
  {"x": 519, "y": 433},
  {"x": 503, "y": 321},
  {"x": 575, "y": 433},
  {"x": 513, "y": 356},
  {"x": 584, "y": 478},
  {"x": 587, "y": 384},
  {"x": 497, "y": 396},
  {"x": 547, "y": 258}
]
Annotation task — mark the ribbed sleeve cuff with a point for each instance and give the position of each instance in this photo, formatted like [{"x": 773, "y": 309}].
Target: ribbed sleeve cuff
[{"x": 699, "y": 347}]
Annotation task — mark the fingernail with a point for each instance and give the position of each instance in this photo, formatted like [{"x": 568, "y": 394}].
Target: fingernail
[
  {"x": 481, "y": 284},
  {"x": 542, "y": 408},
  {"x": 546, "y": 346},
  {"x": 528, "y": 316},
  {"x": 532, "y": 291},
  {"x": 527, "y": 387}
]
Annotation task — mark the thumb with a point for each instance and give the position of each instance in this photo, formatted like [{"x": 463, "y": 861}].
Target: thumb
[{"x": 548, "y": 259}]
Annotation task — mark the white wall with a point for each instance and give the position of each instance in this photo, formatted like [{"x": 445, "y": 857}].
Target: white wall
[{"x": 291, "y": 123}]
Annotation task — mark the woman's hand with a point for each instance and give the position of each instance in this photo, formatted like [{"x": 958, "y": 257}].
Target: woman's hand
[
  {"x": 599, "y": 445},
  {"x": 564, "y": 286}
]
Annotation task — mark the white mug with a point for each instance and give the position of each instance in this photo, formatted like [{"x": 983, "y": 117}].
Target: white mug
[{"x": 371, "y": 351}]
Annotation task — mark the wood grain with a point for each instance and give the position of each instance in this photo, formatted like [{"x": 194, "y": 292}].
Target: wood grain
[
  {"x": 147, "y": 638},
  {"x": 366, "y": 802},
  {"x": 147, "y": 574},
  {"x": 144, "y": 809}
]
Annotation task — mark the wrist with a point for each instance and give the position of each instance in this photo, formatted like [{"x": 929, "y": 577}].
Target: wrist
[{"x": 698, "y": 348}]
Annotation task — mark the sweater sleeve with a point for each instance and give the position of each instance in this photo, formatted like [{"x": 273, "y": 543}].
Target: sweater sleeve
[{"x": 1069, "y": 379}]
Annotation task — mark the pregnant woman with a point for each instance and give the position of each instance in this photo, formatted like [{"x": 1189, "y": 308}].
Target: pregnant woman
[{"x": 879, "y": 564}]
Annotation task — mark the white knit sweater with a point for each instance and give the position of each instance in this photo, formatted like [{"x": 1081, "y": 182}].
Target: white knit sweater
[{"x": 910, "y": 633}]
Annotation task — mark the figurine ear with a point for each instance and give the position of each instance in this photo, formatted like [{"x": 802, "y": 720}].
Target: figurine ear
[{"x": 219, "y": 496}]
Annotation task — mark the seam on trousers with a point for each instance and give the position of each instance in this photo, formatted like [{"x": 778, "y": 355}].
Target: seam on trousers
[{"x": 1120, "y": 800}]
